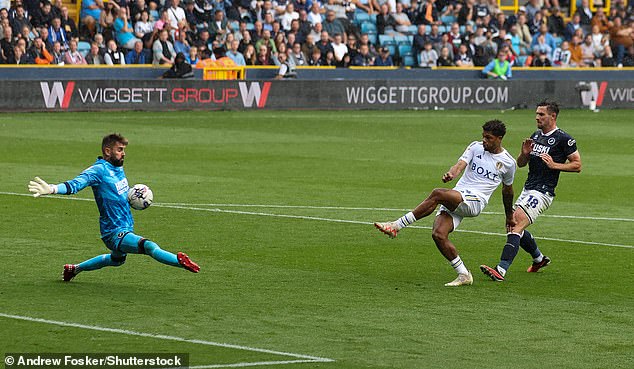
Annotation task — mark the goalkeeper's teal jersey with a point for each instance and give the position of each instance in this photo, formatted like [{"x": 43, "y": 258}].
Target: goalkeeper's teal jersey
[{"x": 110, "y": 188}]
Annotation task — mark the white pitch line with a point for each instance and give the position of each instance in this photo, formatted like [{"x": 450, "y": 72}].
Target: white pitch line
[
  {"x": 257, "y": 363},
  {"x": 275, "y": 206},
  {"x": 305, "y": 217},
  {"x": 304, "y": 358}
]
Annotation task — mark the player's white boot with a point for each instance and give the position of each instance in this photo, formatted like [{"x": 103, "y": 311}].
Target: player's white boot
[
  {"x": 389, "y": 228},
  {"x": 461, "y": 280}
]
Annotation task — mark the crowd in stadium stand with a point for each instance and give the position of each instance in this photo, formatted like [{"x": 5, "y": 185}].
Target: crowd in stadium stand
[{"x": 337, "y": 33}]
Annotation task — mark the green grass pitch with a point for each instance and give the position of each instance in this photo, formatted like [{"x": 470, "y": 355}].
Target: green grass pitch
[{"x": 277, "y": 208}]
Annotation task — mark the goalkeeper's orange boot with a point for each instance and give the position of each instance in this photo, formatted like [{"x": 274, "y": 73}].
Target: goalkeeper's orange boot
[
  {"x": 70, "y": 271},
  {"x": 186, "y": 262}
]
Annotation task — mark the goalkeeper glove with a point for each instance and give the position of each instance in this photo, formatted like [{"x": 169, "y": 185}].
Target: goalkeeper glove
[{"x": 38, "y": 187}]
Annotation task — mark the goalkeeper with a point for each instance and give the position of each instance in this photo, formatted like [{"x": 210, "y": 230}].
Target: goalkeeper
[{"x": 110, "y": 188}]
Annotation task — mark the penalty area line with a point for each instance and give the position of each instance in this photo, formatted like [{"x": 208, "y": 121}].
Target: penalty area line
[{"x": 300, "y": 357}]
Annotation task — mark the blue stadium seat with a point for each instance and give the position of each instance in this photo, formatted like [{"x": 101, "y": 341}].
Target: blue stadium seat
[
  {"x": 401, "y": 39},
  {"x": 392, "y": 48},
  {"x": 404, "y": 50},
  {"x": 410, "y": 39},
  {"x": 441, "y": 29},
  {"x": 409, "y": 61},
  {"x": 367, "y": 27},
  {"x": 447, "y": 19},
  {"x": 462, "y": 29},
  {"x": 521, "y": 60},
  {"x": 361, "y": 17},
  {"x": 83, "y": 47},
  {"x": 250, "y": 26},
  {"x": 413, "y": 29},
  {"x": 386, "y": 40},
  {"x": 373, "y": 18},
  {"x": 558, "y": 41},
  {"x": 372, "y": 37}
]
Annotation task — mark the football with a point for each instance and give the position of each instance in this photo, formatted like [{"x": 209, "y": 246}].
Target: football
[{"x": 140, "y": 197}]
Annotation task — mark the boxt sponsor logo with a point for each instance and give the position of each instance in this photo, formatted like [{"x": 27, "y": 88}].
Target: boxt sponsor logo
[{"x": 56, "y": 95}]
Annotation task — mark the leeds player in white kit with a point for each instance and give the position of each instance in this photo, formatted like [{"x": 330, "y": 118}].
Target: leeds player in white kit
[{"x": 486, "y": 164}]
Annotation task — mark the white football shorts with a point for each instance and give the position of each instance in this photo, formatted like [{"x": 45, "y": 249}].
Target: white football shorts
[
  {"x": 533, "y": 203},
  {"x": 471, "y": 206}
]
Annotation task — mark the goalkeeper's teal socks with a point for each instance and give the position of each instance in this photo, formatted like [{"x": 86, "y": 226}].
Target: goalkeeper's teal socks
[
  {"x": 165, "y": 257},
  {"x": 97, "y": 262}
]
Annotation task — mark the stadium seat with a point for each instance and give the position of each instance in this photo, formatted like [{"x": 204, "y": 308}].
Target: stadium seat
[
  {"x": 521, "y": 60},
  {"x": 392, "y": 49},
  {"x": 558, "y": 41},
  {"x": 462, "y": 30},
  {"x": 361, "y": 17},
  {"x": 83, "y": 47},
  {"x": 250, "y": 26},
  {"x": 441, "y": 29},
  {"x": 404, "y": 49},
  {"x": 367, "y": 27},
  {"x": 413, "y": 29},
  {"x": 386, "y": 40},
  {"x": 410, "y": 39},
  {"x": 447, "y": 19},
  {"x": 373, "y": 18},
  {"x": 372, "y": 36},
  {"x": 409, "y": 61},
  {"x": 401, "y": 39}
]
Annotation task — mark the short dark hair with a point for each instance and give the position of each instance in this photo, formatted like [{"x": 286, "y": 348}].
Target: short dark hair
[
  {"x": 496, "y": 127},
  {"x": 111, "y": 139},
  {"x": 551, "y": 107}
]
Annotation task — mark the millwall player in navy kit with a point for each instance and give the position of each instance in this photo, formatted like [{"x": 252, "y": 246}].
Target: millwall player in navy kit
[
  {"x": 486, "y": 164},
  {"x": 548, "y": 152}
]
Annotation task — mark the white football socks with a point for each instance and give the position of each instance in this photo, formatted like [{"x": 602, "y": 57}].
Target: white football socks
[
  {"x": 459, "y": 266},
  {"x": 539, "y": 258},
  {"x": 405, "y": 220}
]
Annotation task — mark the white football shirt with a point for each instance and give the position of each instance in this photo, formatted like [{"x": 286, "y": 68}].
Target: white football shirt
[{"x": 485, "y": 171}]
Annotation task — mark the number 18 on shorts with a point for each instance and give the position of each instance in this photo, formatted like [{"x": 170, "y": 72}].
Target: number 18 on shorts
[{"x": 533, "y": 203}]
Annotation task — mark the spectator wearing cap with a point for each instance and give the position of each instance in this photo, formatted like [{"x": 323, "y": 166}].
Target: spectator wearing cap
[{"x": 384, "y": 59}]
